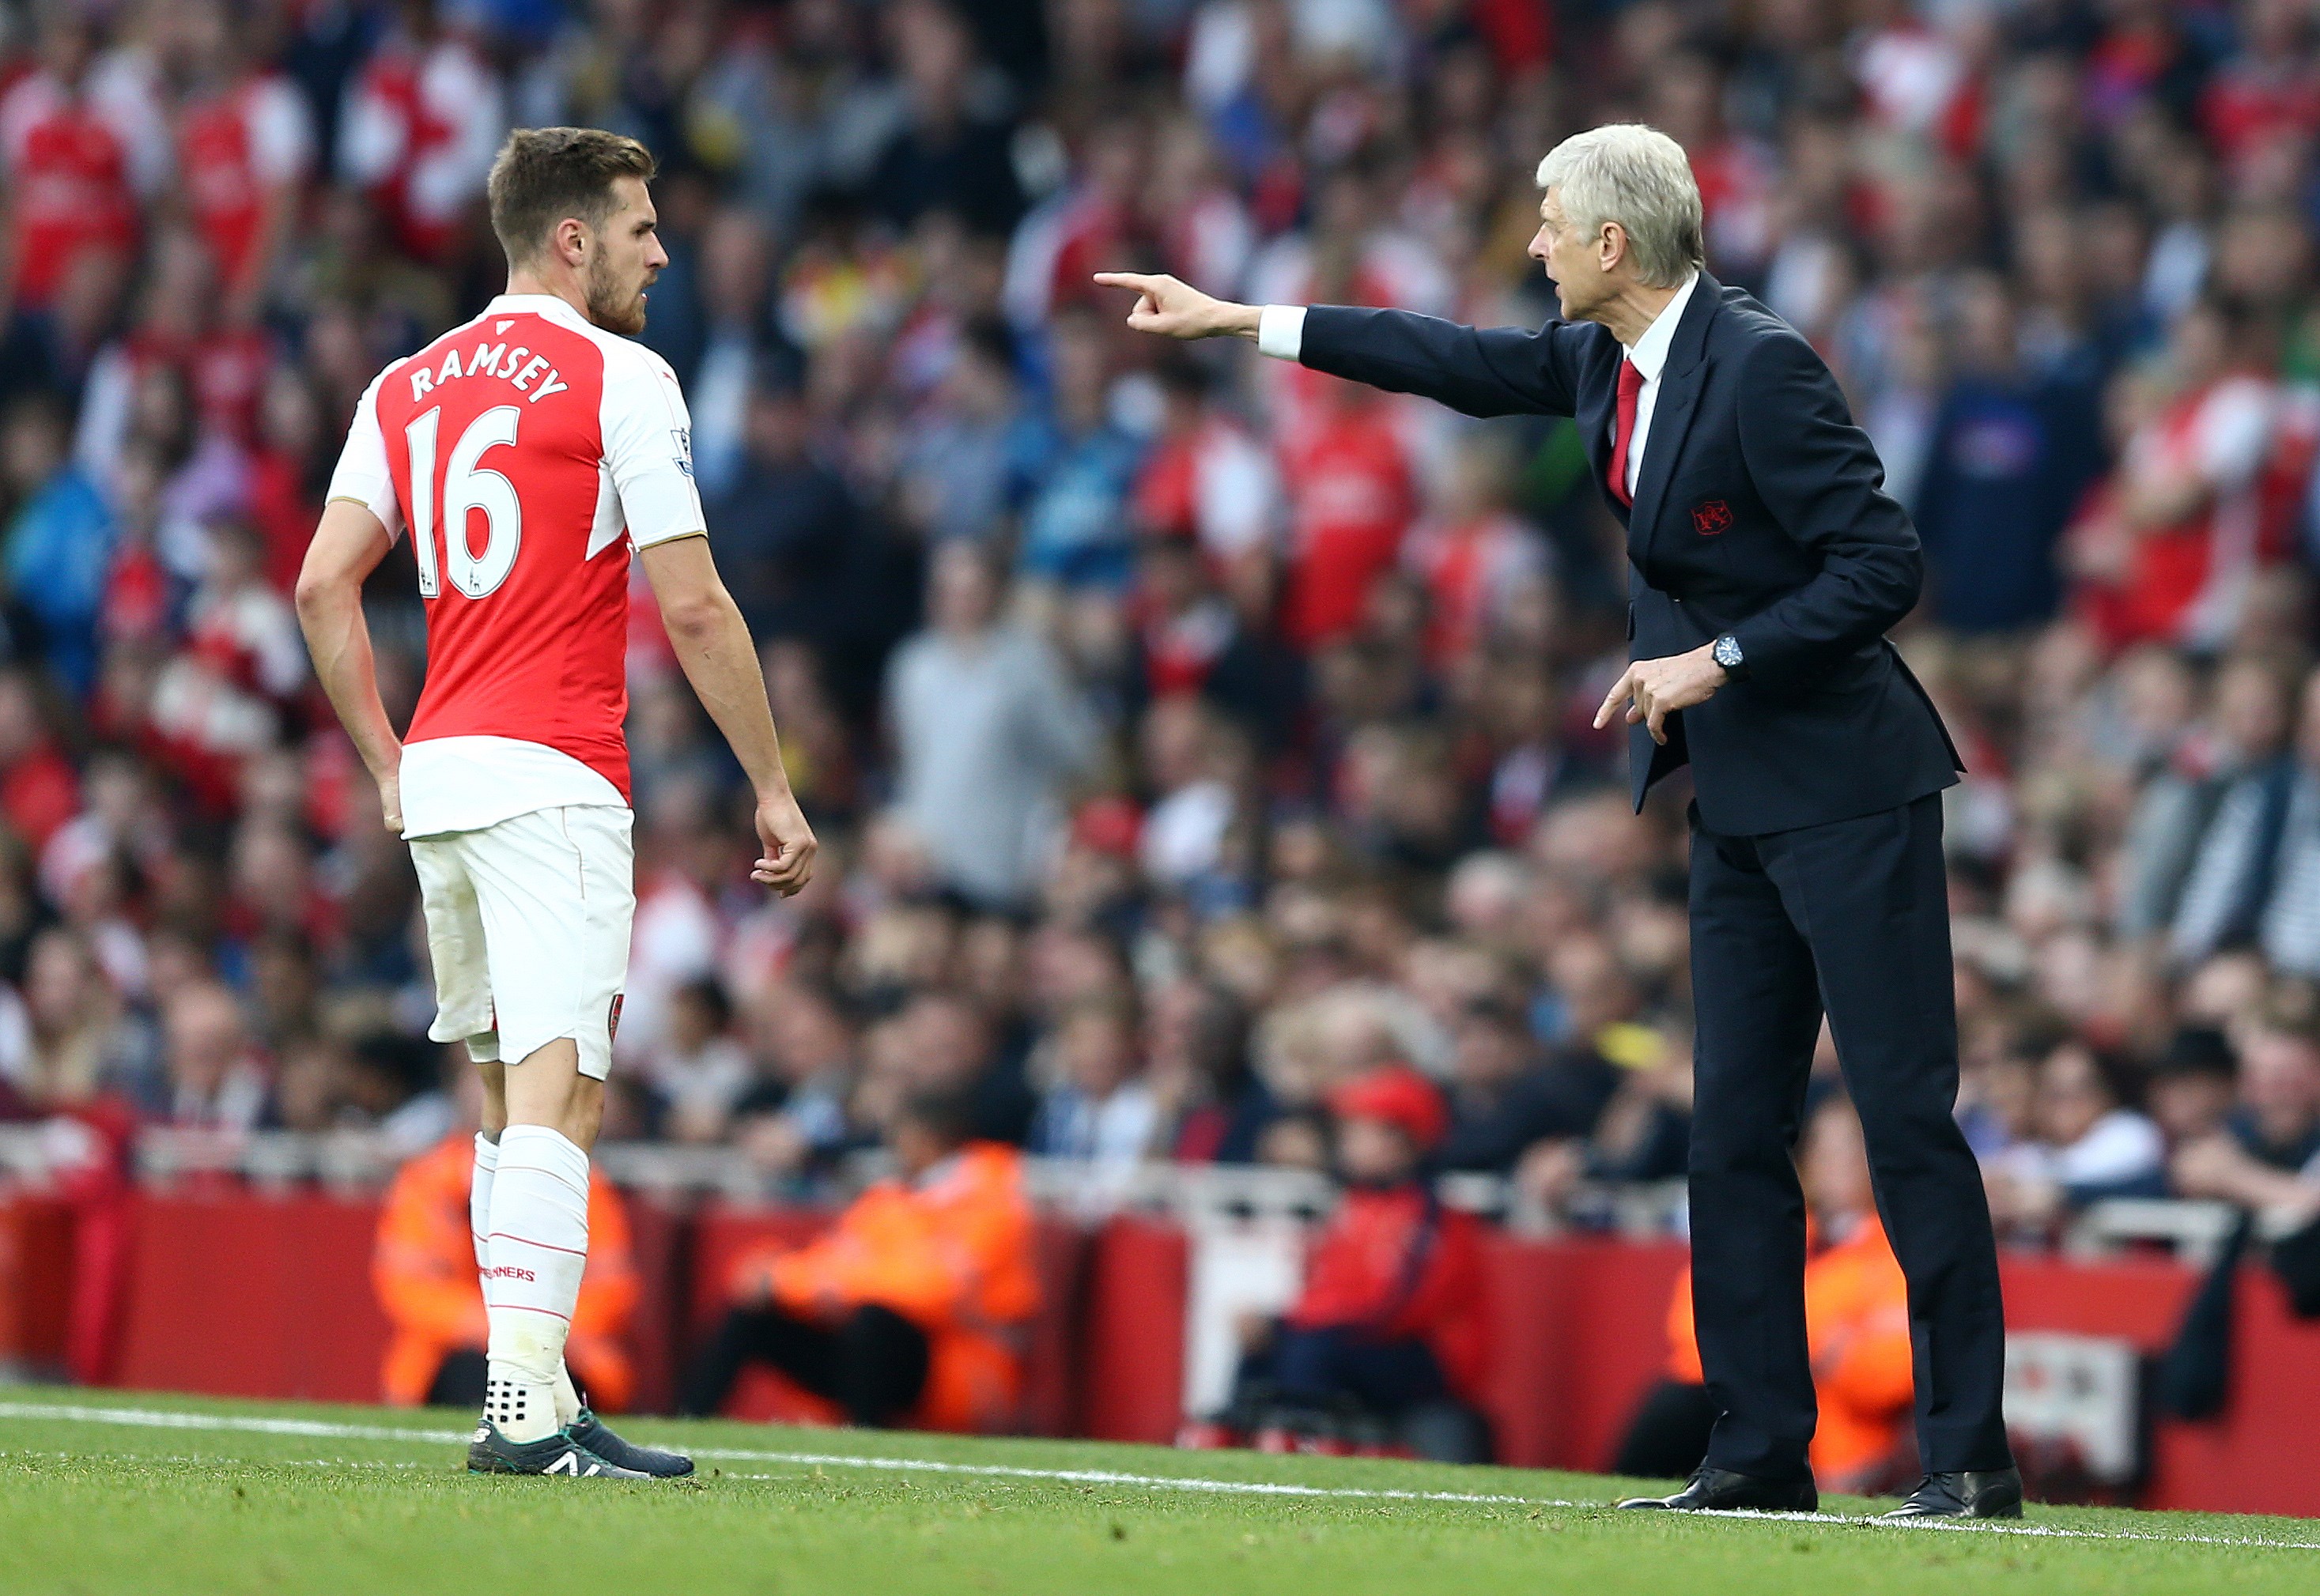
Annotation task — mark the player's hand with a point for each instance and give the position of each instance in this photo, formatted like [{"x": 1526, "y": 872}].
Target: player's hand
[
  {"x": 1177, "y": 310},
  {"x": 1652, "y": 690},
  {"x": 390, "y": 801},
  {"x": 790, "y": 847}
]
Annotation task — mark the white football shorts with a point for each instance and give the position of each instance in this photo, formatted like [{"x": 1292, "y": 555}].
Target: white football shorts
[{"x": 527, "y": 926}]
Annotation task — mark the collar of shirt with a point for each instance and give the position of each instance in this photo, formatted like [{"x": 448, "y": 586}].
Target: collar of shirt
[
  {"x": 1650, "y": 351},
  {"x": 558, "y": 310}
]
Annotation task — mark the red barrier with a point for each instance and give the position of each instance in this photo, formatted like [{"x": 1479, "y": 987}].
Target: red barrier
[
  {"x": 36, "y": 1254},
  {"x": 2257, "y": 1456},
  {"x": 722, "y": 1233},
  {"x": 248, "y": 1295},
  {"x": 1581, "y": 1338},
  {"x": 658, "y": 1339},
  {"x": 1052, "y": 1356},
  {"x": 269, "y": 1296},
  {"x": 1578, "y": 1339},
  {"x": 1133, "y": 1340}
]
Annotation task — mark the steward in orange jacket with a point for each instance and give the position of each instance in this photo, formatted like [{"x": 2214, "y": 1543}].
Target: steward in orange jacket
[
  {"x": 423, "y": 1269},
  {"x": 1856, "y": 1325},
  {"x": 913, "y": 1309}
]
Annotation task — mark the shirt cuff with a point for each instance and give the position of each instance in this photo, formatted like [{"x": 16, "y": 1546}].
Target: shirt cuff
[{"x": 1281, "y": 332}]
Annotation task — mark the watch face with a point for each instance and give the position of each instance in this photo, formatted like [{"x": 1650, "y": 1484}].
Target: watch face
[{"x": 1727, "y": 652}]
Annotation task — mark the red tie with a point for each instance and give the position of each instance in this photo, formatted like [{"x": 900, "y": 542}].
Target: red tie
[{"x": 1631, "y": 383}]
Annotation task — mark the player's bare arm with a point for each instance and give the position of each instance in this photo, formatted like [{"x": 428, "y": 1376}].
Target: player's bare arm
[
  {"x": 1173, "y": 308},
  {"x": 713, "y": 645},
  {"x": 348, "y": 545}
]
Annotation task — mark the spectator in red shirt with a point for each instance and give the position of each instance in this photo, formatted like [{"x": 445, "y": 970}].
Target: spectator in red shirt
[
  {"x": 1351, "y": 496},
  {"x": 1476, "y": 560},
  {"x": 1736, "y": 174},
  {"x": 2166, "y": 548},
  {"x": 1206, "y": 480},
  {"x": 243, "y": 144},
  {"x": 240, "y": 626},
  {"x": 286, "y": 491},
  {"x": 182, "y": 380},
  {"x": 1093, "y": 224},
  {"x": 420, "y": 127},
  {"x": 1384, "y": 1346},
  {"x": 67, "y": 154},
  {"x": 39, "y": 791},
  {"x": 2271, "y": 90}
]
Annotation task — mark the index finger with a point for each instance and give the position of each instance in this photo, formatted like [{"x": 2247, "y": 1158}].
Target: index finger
[
  {"x": 1138, "y": 281},
  {"x": 1620, "y": 689}
]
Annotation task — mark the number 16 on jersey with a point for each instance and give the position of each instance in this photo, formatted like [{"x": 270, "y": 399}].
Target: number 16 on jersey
[{"x": 467, "y": 485}]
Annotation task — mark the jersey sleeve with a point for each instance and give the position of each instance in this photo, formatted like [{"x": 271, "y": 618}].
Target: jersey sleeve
[
  {"x": 648, "y": 446},
  {"x": 362, "y": 475}
]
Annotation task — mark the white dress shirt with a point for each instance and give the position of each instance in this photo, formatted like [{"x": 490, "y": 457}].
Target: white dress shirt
[
  {"x": 1281, "y": 333},
  {"x": 1649, "y": 357}
]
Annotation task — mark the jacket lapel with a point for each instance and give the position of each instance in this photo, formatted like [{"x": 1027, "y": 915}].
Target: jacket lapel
[{"x": 1679, "y": 391}]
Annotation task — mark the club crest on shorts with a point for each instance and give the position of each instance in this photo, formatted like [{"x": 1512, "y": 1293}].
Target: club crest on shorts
[
  {"x": 612, "y": 1017},
  {"x": 1710, "y": 519}
]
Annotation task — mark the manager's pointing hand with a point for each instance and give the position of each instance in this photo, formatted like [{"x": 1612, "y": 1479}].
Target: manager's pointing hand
[
  {"x": 1177, "y": 310},
  {"x": 1652, "y": 690}
]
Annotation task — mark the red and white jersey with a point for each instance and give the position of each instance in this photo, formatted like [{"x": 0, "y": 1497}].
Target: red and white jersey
[
  {"x": 235, "y": 149},
  {"x": 528, "y": 451},
  {"x": 68, "y": 158},
  {"x": 419, "y": 129}
]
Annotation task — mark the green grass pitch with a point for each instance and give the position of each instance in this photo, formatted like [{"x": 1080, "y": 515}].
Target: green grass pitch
[{"x": 154, "y": 1495}]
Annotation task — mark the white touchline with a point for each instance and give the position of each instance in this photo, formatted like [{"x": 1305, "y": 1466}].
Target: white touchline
[
  {"x": 376, "y": 1463},
  {"x": 244, "y": 1423},
  {"x": 317, "y": 1429}
]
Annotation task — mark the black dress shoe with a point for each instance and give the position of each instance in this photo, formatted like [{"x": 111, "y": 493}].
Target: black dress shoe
[
  {"x": 1996, "y": 1495},
  {"x": 1722, "y": 1490}
]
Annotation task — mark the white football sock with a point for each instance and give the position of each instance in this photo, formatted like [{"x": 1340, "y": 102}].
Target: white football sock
[
  {"x": 539, "y": 1248},
  {"x": 479, "y": 1221},
  {"x": 479, "y": 1204},
  {"x": 567, "y": 1397}
]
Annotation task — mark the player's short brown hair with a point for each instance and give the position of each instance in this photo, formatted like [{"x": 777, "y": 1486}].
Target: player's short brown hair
[{"x": 544, "y": 175}]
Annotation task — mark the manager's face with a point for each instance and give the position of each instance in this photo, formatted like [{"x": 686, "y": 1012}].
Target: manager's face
[{"x": 1572, "y": 257}]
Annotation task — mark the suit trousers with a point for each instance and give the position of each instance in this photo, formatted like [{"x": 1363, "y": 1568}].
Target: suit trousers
[{"x": 1850, "y": 918}]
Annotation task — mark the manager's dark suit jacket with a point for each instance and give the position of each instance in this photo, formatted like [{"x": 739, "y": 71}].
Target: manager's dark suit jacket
[{"x": 1758, "y": 511}]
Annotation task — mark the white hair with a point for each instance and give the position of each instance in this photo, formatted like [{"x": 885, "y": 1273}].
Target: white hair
[{"x": 1640, "y": 178}]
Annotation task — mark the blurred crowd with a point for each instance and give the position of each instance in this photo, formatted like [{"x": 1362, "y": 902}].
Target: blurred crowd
[{"x": 1188, "y": 735}]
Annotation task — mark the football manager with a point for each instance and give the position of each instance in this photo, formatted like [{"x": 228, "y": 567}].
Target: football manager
[{"x": 1765, "y": 564}]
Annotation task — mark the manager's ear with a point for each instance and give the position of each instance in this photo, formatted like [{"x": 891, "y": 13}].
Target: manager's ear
[{"x": 1611, "y": 246}]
